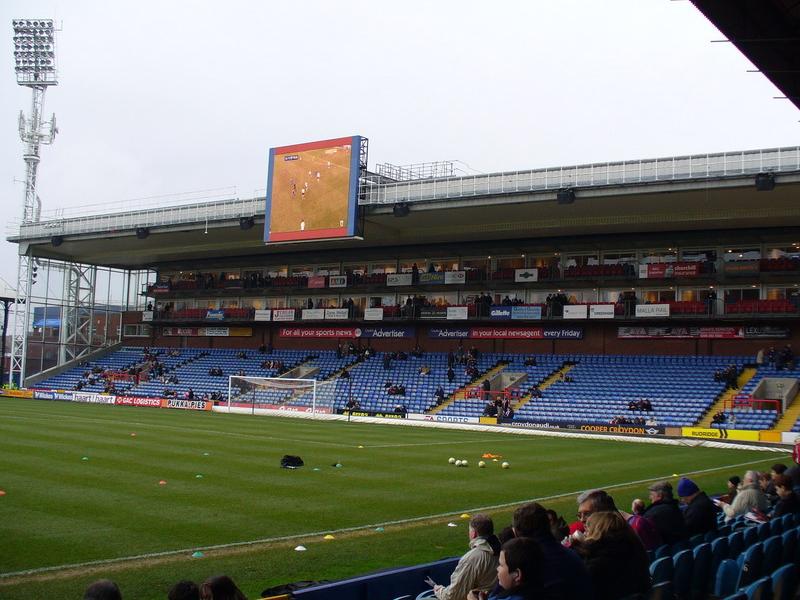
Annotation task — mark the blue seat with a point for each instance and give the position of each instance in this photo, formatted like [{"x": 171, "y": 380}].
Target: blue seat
[
  {"x": 760, "y": 589},
  {"x": 682, "y": 564},
  {"x": 776, "y": 526},
  {"x": 763, "y": 531},
  {"x": 773, "y": 554},
  {"x": 750, "y": 563},
  {"x": 784, "y": 583},
  {"x": 701, "y": 571},
  {"x": 661, "y": 570},
  {"x": 662, "y": 591},
  {"x": 789, "y": 538},
  {"x": 751, "y": 536},
  {"x": 719, "y": 552},
  {"x": 726, "y": 578},
  {"x": 735, "y": 543},
  {"x": 662, "y": 551}
]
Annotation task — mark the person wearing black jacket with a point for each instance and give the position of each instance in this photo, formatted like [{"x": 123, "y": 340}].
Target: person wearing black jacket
[
  {"x": 665, "y": 513},
  {"x": 700, "y": 515},
  {"x": 788, "y": 501}
]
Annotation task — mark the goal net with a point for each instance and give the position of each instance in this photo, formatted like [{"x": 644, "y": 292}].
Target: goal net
[{"x": 278, "y": 393}]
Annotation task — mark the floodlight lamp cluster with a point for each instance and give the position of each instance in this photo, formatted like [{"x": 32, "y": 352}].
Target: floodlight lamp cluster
[{"x": 34, "y": 49}]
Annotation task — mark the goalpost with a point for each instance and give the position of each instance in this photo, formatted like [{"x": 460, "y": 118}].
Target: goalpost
[{"x": 280, "y": 393}]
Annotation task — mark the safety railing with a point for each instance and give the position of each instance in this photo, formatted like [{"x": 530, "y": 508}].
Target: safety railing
[
  {"x": 702, "y": 166},
  {"x": 119, "y": 217}
]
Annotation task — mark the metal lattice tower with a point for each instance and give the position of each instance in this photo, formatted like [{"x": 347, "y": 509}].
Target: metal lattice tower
[
  {"x": 77, "y": 323},
  {"x": 35, "y": 67}
]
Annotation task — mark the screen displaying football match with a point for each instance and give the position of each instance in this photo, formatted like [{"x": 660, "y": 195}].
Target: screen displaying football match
[{"x": 312, "y": 191}]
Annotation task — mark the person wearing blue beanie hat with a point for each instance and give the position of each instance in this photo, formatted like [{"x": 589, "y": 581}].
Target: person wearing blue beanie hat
[
  {"x": 687, "y": 487},
  {"x": 700, "y": 514}
]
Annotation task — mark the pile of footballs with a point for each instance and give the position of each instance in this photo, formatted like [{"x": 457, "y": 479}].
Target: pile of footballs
[{"x": 463, "y": 462}]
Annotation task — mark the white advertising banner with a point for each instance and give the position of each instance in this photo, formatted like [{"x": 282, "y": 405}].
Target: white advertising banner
[
  {"x": 442, "y": 418},
  {"x": 339, "y": 314},
  {"x": 263, "y": 314},
  {"x": 525, "y": 275},
  {"x": 398, "y": 279},
  {"x": 601, "y": 311},
  {"x": 92, "y": 398},
  {"x": 313, "y": 314},
  {"x": 578, "y": 311},
  {"x": 455, "y": 277},
  {"x": 652, "y": 310},
  {"x": 457, "y": 313},
  {"x": 147, "y": 315},
  {"x": 283, "y": 314},
  {"x": 373, "y": 314},
  {"x": 337, "y": 281},
  {"x": 217, "y": 331}
]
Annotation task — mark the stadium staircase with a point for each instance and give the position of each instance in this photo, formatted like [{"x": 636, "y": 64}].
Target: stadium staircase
[
  {"x": 461, "y": 393},
  {"x": 726, "y": 397},
  {"x": 789, "y": 418},
  {"x": 556, "y": 376}
]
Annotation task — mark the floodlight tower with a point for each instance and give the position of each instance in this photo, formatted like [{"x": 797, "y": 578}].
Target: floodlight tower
[{"x": 35, "y": 66}]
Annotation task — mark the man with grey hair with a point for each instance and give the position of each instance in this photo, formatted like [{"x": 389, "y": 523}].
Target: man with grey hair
[
  {"x": 749, "y": 497},
  {"x": 665, "y": 513}
]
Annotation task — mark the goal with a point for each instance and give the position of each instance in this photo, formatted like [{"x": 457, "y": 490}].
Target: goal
[{"x": 279, "y": 393}]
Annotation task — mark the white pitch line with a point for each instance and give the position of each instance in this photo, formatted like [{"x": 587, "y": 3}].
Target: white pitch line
[{"x": 301, "y": 536}]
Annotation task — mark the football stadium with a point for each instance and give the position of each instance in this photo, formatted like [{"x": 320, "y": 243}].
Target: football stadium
[{"x": 381, "y": 382}]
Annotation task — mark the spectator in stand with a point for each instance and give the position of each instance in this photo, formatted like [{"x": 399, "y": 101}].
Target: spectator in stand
[
  {"x": 788, "y": 501},
  {"x": 220, "y": 587},
  {"x": 644, "y": 527},
  {"x": 564, "y": 575},
  {"x": 477, "y": 569},
  {"x": 439, "y": 395},
  {"x": 749, "y": 497},
  {"x": 777, "y": 469},
  {"x": 451, "y": 375},
  {"x": 764, "y": 482},
  {"x": 733, "y": 484},
  {"x": 614, "y": 556},
  {"x": 520, "y": 573},
  {"x": 104, "y": 589},
  {"x": 184, "y": 590},
  {"x": 665, "y": 513},
  {"x": 700, "y": 514}
]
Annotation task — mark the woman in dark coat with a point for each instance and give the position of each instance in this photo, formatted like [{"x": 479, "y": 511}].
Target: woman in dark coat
[{"x": 615, "y": 557}]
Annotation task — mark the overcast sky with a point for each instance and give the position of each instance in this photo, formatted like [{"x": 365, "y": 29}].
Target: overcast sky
[{"x": 168, "y": 97}]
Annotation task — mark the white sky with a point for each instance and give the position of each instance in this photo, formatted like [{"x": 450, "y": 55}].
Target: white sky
[{"x": 173, "y": 96}]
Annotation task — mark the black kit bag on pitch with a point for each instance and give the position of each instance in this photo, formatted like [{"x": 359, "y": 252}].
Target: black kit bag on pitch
[{"x": 291, "y": 462}]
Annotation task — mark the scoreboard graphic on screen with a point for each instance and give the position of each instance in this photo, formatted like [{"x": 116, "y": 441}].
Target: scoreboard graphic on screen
[{"x": 312, "y": 190}]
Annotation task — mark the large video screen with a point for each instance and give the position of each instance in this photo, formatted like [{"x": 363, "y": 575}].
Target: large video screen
[{"x": 312, "y": 191}]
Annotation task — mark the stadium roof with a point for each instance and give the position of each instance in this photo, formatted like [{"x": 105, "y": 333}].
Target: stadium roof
[
  {"x": 669, "y": 195},
  {"x": 767, "y": 32}
]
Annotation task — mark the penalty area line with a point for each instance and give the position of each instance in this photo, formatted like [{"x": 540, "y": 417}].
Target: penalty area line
[{"x": 355, "y": 528}]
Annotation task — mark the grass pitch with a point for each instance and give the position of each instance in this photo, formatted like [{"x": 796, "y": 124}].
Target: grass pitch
[{"x": 80, "y": 488}]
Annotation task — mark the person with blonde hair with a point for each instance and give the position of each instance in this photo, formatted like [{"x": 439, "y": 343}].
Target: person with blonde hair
[{"x": 614, "y": 556}]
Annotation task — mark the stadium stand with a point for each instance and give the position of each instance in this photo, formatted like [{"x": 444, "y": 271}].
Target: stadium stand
[{"x": 598, "y": 389}]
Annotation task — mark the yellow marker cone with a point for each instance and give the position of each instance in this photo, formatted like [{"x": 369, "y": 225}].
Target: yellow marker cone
[
  {"x": 329, "y": 537},
  {"x": 465, "y": 516}
]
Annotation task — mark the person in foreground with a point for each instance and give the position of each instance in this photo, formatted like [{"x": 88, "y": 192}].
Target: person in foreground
[
  {"x": 614, "y": 556},
  {"x": 220, "y": 587},
  {"x": 477, "y": 569},
  {"x": 519, "y": 573},
  {"x": 104, "y": 589}
]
